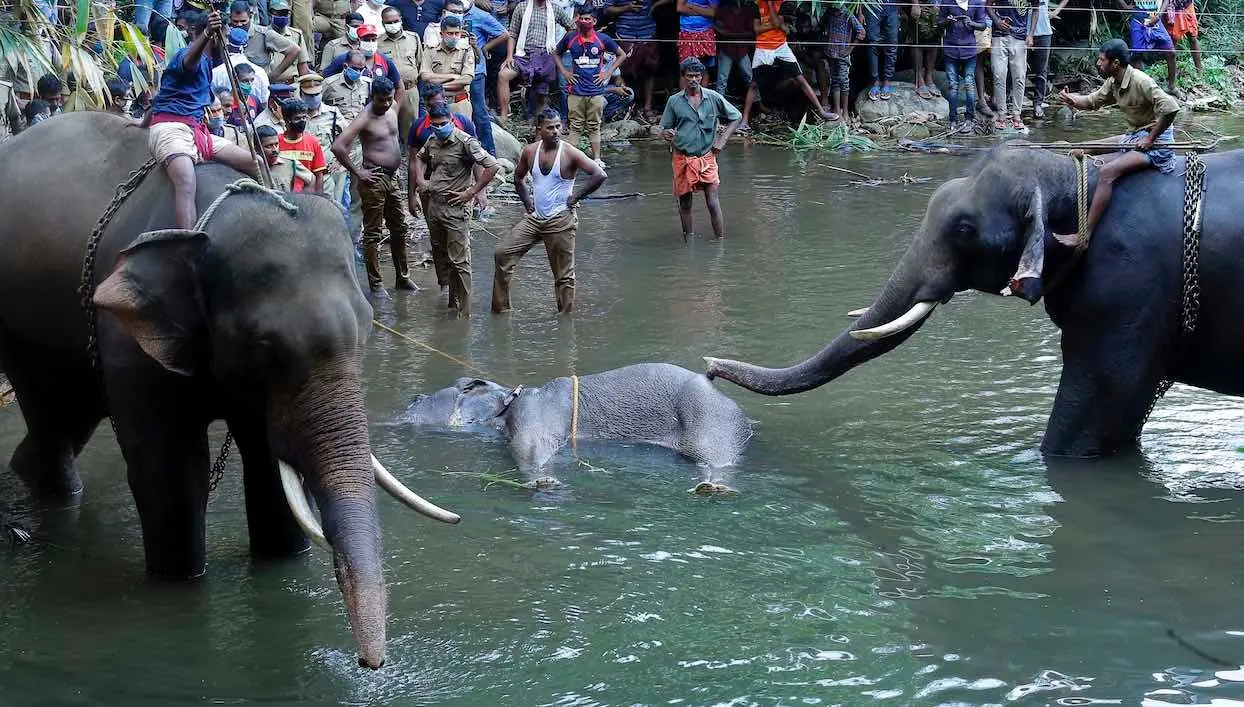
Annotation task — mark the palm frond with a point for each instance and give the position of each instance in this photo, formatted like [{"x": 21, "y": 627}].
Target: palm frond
[{"x": 25, "y": 56}]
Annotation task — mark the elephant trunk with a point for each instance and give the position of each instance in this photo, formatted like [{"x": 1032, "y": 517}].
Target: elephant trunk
[
  {"x": 917, "y": 285},
  {"x": 324, "y": 426}
]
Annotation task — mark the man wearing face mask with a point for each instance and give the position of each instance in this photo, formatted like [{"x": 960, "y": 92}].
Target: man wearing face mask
[
  {"x": 235, "y": 46},
  {"x": 375, "y": 64},
  {"x": 297, "y": 144},
  {"x": 588, "y": 49},
  {"x": 347, "y": 41},
  {"x": 376, "y": 129},
  {"x": 451, "y": 156},
  {"x": 218, "y": 122},
  {"x": 271, "y": 115},
  {"x": 287, "y": 174},
  {"x": 451, "y": 65},
  {"x": 325, "y": 123},
  {"x": 263, "y": 42},
  {"x": 246, "y": 104},
  {"x": 404, "y": 48},
  {"x": 280, "y": 23}
]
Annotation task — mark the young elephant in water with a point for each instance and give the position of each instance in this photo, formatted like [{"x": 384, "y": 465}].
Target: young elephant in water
[{"x": 657, "y": 403}]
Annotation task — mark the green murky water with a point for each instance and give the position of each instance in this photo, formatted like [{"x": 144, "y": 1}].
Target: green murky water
[{"x": 897, "y": 539}]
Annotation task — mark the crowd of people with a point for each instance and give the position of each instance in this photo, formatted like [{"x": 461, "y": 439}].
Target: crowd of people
[{"x": 339, "y": 106}]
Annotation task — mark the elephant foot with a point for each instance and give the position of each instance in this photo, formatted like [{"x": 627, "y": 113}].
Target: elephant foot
[
  {"x": 708, "y": 488},
  {"x": 51, "y": 479}
]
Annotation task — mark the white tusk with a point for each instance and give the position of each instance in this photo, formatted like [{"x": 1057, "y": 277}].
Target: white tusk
[
  {"x": 857, "y": 312},
  {"x": 414, "y": 501},
  {"x": 291, "y": 483},
  {"x": 918, "y": 311}
]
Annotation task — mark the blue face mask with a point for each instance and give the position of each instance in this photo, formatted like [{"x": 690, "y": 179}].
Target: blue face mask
[
  {"x": 280, "y": 23},
  {"x": 352, "y": 75},
  {"x": 217, "y": 126},
  {"x": 443, "y": 131},
  {"x": 312, "y": 101}
]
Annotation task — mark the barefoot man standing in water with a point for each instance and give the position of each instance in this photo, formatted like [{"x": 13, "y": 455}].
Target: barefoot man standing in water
[
  {"x": 376, "y": 127},
  {"x": 551, "y": 217},
  {"x": 690, "y": 123}
]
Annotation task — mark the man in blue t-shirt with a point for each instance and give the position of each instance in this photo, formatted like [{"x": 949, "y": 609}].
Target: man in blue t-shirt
[
  {"x": 592, "y": 72},
  {"x": 178, "y": 135}
]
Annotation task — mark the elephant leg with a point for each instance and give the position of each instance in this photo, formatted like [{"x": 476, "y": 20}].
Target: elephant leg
[
  {"x": 1110, "y": 375},
  {"x": 269, "y": 521},
  {"x": 163, "y": 436},
  {"x": 61, "y": 415}
]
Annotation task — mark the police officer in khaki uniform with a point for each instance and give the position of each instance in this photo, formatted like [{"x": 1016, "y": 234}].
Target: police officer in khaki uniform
[
  {"x": 404, "y": 48},
  {"x": 451, "y": 64},
  {"x": 452, "y": 155},
  {"x": 325, "y": 122},
  {"x": 348, "y": 92},
  {"x": 280, "y": 22},
  {"x": 347, "y": 41},
  {"x": 262, "y": 42},
  {"x": 330, "y": 21}
]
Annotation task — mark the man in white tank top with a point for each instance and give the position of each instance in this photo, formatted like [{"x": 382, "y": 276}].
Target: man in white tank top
[{"x": 551, "y": 204}]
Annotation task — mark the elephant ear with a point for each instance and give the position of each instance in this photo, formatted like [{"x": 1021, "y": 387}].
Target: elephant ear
[
  {"x": 155, "y": 293},
  {"x": 1026, "y": 282}
]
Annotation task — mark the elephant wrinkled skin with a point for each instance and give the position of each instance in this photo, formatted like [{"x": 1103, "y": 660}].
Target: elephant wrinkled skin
[
  {"x": 656, "y": 403},
  {"x": 1118, "y": 308},
  {"x": 260, "y": 322}
]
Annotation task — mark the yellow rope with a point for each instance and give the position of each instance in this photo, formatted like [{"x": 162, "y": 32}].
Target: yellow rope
[
  {"x": 1082, "y": 234},
  {"x": 574, "y": 414},
  {"x": 433, "y": 349}
]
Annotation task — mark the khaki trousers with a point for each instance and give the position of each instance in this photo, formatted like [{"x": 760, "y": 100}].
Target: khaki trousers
[
  {"x": 300, "y": 16},
  {"x": 330, "y": 28},
  {"x": 557, "y": 233},
  {"x": 449, "y": 233},
  {"x": 383, "y": 205},
  {"x": 584, "y": 114}
]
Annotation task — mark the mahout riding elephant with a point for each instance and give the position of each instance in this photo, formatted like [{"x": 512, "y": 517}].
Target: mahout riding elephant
[
  {"x": 656, "y": 403},
  {"x": 259, "y": 320},
  {"x": 1118, "y": 306}
]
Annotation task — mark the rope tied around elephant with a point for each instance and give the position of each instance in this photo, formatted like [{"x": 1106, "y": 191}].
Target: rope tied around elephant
[{"x": 86, "y": 286}]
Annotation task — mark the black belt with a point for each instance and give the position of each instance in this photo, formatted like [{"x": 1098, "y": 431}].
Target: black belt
[{"x": 390, "y": 171}]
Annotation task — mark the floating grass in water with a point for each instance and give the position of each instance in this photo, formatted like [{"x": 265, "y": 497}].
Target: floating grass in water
[
  {"x": 826, "y": 136},
  {"x": 507, "y": 478}
]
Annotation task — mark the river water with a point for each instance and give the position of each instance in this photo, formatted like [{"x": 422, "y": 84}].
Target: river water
[{"x": 896, "y": 539}]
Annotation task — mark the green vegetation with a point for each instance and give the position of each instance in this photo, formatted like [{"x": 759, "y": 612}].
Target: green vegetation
[
  {"x": 90, "y": 41},
  {"x": 822, "y": 137}
]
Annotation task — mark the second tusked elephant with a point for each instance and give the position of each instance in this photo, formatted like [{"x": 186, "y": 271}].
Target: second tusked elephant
[
  {"x": 657, "y": 403},
  {"x": 1118, "y": 306}
]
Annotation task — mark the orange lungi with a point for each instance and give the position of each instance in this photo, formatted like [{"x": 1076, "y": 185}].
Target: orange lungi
[
  {"x": 691, "y": 173},
  {"x": 1183, "y": 24}
]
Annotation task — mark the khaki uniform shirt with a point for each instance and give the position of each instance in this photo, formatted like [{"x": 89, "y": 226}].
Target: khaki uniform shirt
[
  {"x": 344, "y": 97},
  {"x": 285, "y": 171},
  {"x": 451, "y": 162},
  {"x": 235, "y": 135},
  {"x": 405, "y": 52},
  {"x": 1137, "y": 95},
  {"x": 333, "y": 49},
  {"x": 264, "y": 43},
  {"x": 459, "y": 62},
  {"x": 326, "y": 125},
  {"x": 332, "y": 8},
  {"x": 293, "y": 34},
  {"x": 266, "y": 117}
]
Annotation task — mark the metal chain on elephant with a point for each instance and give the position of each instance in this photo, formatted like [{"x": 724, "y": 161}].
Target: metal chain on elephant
[
  {"x": 86, "y": 287},
  {"x": 1194, "y": 202}
]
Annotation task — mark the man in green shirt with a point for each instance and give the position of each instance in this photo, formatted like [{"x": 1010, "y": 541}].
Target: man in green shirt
[
  {"x": 690, "y": 123},
  {"x": 1149, "y": 111}
]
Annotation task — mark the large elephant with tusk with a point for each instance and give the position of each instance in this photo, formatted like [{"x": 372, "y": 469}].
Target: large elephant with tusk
[
  {"x": 1118, "y": 305},
  {"x": 258, "y": 320}
]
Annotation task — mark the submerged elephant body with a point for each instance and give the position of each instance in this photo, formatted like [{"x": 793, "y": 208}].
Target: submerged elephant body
[
  {"x": 656, "y": 403},
  {"x": 1118, "y": 306},
  {"x": 259, "y": 321}
]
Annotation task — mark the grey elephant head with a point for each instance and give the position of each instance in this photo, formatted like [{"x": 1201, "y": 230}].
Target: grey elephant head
[
  {"x": 267, "y": 311},
  {"x": 976, "y": 231},
  {"x": 466, "y": 402}
]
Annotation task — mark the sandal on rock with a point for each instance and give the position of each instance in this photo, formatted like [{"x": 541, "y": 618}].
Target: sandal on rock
[
  {"x": 886, "y": 92},
  {"x": 923, "y": 92},
  {"x": 874, "y": 93}
]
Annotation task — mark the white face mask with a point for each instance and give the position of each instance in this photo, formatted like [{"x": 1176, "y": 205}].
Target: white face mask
[
  {"x": 369, "y": 46},
  {"x": 393, "y": 28},
  {"x": 376, "y": 3}
]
